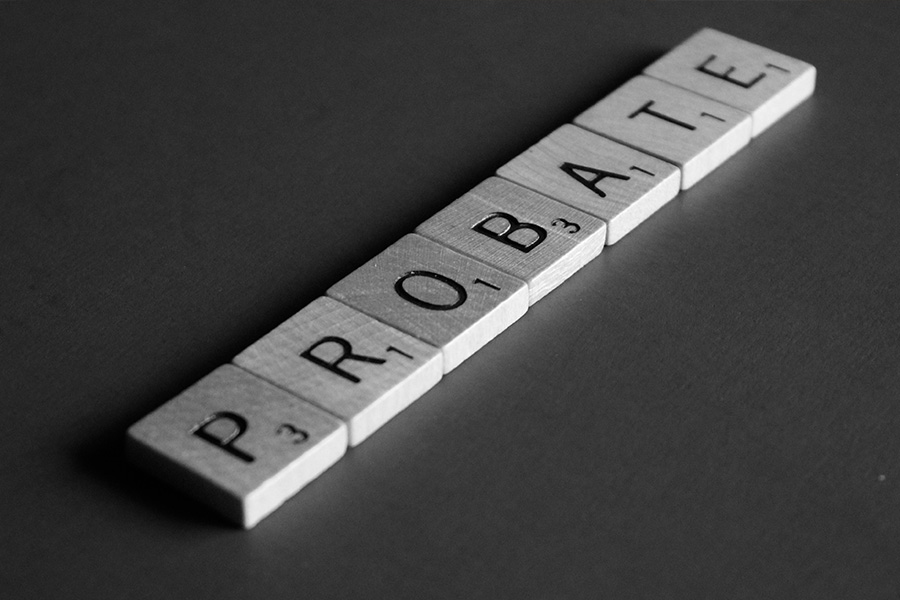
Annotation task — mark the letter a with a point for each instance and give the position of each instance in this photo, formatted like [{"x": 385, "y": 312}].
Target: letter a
[{"x": 575, "y": 171}]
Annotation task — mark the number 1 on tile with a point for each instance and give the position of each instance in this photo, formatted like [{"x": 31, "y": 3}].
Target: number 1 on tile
[
  {"x": 765, "y": 83},
  {"x": 671, "y": 123}
]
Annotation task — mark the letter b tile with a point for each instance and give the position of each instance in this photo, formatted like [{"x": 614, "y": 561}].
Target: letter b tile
[
  {"x": 520, "y": 232},
  {"x": 440, "y": 296},
  {"x": 346, "y": 362},
  {"x": 237, "y": 443},
  {"x": 671, "y": 123}
]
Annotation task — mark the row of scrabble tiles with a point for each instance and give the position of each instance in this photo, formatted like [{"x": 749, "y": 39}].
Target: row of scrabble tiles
[{"x": 251, "y": 434}]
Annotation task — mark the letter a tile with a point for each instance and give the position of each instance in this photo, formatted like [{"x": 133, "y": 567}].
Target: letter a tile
[
  {"x": 687, "y": 129},
  {"x": 520, "y": 232},
  {"x": 620, "y": 185},
  {"x": 347, "y": 363},
  {"x": 237, "y": 443},
  {"x": 436, "y": 294},
  {"x": 762, "y": 82}
]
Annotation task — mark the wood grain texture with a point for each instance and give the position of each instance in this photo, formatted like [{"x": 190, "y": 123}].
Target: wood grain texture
[
  {"x": 346, "y": 362},
  {"x": 762, "y": 82},
  {"x": 519, "y": 231},
  {"x": 620, "y": 185},
  {"x": 449, "y": 300},
  {"x": 692, "y": 131},
  {"x": 237, "y": 443}
]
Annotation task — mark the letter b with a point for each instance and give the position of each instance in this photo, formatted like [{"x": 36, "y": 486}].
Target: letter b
[{"x": 512, "y": 225}]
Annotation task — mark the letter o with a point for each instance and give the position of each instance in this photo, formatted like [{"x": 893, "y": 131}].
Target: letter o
[{"x": 461, "y": 294}]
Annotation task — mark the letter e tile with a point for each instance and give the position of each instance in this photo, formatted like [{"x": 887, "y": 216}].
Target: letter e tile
[{"x": 762, "y": 82}]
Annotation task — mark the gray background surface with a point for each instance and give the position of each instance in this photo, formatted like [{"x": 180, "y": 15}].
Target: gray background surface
[{"x": 708, "y": 410}]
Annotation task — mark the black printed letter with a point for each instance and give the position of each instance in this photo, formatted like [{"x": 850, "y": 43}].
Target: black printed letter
[
  {"x": 645, "y": 109},
  {"x": 512, "y": 226},
  {"x": 459, "y": 290},
  {"x": 347, "y": 355},
  {"x": 725, "y": 75},
  {"x": 226, "y": 442},
  {"x": 599, "y": 175}
]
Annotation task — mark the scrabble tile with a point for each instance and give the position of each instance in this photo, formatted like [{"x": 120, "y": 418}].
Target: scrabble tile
[
  {"x": 620, "y": 185},
  {"x": 762, "y": 82},
  {"x": 436, "y": 294},
  {"x": 520, "y": 232},
  {"x": 692, "y": 131},
  {"x": 346, "y": 362},
  {"x": 237, "y": 443}
]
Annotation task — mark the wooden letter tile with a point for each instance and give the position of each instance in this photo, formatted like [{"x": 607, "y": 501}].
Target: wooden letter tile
[
  {"x": 520, "y": 232},
  {"x": 237, "y": 443},
  {"x": 692, "y": 131},
  {"x": 604, "y": 178},
  {"x": 762, "y": 82},
  {"x": 347, "y": 363},
  {"x": 451, "y": 301}
]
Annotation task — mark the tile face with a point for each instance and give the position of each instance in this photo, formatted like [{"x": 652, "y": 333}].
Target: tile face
[
  {"x": 347, "y": 363},
  {"x": 434, "y": 293},
  {"x": 520, "y": 232},
  {"x": 237, "y": 443},
  {"x": 620, "y": 185},
  {"x": 694, "y": 132},
  {"x": 762, "y": 82}
]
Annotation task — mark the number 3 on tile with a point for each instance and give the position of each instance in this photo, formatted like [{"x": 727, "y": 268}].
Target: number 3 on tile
[{"x": 567, "y": 226}]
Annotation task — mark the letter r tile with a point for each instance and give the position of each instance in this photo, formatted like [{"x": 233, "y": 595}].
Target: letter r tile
[
  {"x": 346, "y": 362},
  {"x": 436, "y": 294},
  {"x": 762, "y": 82},
  {"x": 671, "y": 123},
  {"x": 620, "y": 185},
  {"x": 521, "y": 232},
  {"x": 237, "y": 443}
]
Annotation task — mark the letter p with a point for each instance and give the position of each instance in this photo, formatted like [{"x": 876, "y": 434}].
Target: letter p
[{"x": 222, "y": 429}]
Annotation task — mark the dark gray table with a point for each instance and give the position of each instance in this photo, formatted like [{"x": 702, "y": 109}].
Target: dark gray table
[{"x": 708, "y": 410}]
